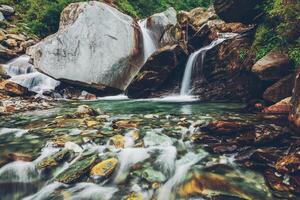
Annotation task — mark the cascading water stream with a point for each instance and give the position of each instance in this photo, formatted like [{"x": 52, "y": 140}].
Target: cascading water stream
[
  {"x": 192, "y": 62},
  {"x": 23, "y": 73},
  {"x": 149, "y": 43}
]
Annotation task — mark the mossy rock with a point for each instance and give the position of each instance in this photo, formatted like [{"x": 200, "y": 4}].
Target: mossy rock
[{"x": 76, "y": 171}]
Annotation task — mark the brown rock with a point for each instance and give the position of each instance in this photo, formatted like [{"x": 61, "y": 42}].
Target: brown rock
[
  {"x": 295, "y": 112},
  {"x": 289, "y": 163},
  {"x": 13, "y": 88},
  {"x": 281, "y": 89},
  {"x": 273, "y": 66},
  {"x": 11, "y": 43},
  {"x": 227, "y": 128},
  {"x": 282, "y": 107}
]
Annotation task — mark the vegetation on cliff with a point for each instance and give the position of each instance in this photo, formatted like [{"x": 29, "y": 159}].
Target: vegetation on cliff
[{"x": 279, "y": 29}]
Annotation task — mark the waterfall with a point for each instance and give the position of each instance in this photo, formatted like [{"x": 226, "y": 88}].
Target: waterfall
[
  {"x": 192, "y": 62},
  {"x": 149, "y": 43},
  {"x": 23, "y": 73}
]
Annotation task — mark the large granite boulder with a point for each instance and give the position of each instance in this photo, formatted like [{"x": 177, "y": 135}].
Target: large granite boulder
[
  {"x": 244, "y": 11},
  {"x": 157, "y": 70},
  {"x": 295, "y": 113},
  {"x": 280, "y": 90},
  {"x": 160, "y": 22},
  {"x": 274, "y": 66},
  {"x": 96, "y": 46}
]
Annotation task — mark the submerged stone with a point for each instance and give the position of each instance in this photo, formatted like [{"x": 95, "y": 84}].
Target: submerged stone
[
  {"x": 85, "y": 110},
  {"x": 76, "y": 170},
  {"x": 152, "y": 176},
  {"x": 118, "y": 141},
  {"x": 104, "y": 168}
]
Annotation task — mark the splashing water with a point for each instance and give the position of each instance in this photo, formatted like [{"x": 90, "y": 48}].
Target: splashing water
[
  {"x": 24, "y": 74},
  {"x": 192, "y": 62},
  {"x": 149, "y": 44}
]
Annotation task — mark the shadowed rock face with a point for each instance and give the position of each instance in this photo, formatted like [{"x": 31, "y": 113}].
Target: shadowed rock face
[
  {"x": 96, "y": 46},
  {"x": 244, "y": 11},
  {"x": 295, "y": 113},
  {"x": 157, "y": 70}
]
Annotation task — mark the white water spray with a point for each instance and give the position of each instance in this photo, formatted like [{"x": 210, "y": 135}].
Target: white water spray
[
  {"x": 192, "y": 62},
  {"x": 23, "y": 73},
  {"x": 149, "y": 43}
]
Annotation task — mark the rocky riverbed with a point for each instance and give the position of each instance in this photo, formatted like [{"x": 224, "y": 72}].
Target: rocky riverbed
[{"x": 110, "y": 150}]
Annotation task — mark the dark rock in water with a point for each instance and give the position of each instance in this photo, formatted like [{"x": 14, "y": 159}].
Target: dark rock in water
[
  {"x": 228, "y": 148},
  {"x": 13, "y": 88},
  {"x": 227, "y": 128},
  {"x": 274, "y": 66},
  {"x": 282, "y": 107},
  {"x": 76, "y": 170},
  {"x": 156, "y": 71},
  {"x": 244, "y": 11},
  {"x": 281, "y": 89},
  {"x": 295, "y": 113}
]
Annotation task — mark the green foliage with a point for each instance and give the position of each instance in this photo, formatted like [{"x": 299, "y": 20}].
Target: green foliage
[
  {"x": 279, "y": 29},
  {"x": 41, "y": 17}
]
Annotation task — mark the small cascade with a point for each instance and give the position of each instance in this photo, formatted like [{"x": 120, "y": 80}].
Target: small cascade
[
  {"x": 23, "y": 73},
  {"x": 149, "y": 43},
  {"x": 193, "y": 60}
]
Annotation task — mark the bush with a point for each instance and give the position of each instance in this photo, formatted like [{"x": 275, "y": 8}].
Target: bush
[
  {"x": 279, "y": 29},
  {"x": 42, "y": 16}
]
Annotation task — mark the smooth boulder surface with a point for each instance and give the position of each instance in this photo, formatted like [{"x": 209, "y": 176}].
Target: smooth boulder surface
[
  {"x": 295, "y": 113},
  {"x": 160, "y": 22},
  {"x": 274, "y": 66},
  {"x": 280, "y": 90},
  {"x": 96, "y": 46},
  {"x": 244, "y": 11}
]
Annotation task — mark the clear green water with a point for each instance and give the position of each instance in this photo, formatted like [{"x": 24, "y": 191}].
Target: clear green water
[{"x": 164, "y": 151}]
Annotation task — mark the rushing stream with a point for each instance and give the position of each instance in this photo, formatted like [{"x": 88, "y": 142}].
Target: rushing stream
[{"x": 151, "y": 141}]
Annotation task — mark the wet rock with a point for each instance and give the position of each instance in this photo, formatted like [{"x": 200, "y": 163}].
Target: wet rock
[
  {"x": 156, "y": 71},
  {"x": 275, "y": 182},
  {"x": 134, "y": 196},
  {"x": 196, "y": 17},
  {"x": 84, "y": 110},
  {"x": 153, "y": 176},
  {"x": 7, "y": 10},
  {"x": 104, "y": 168},
  {"x": 20, "y": 157},
  {"x": 127, "y": 124},
  {"x": 54, "y": 160},
  {"x": 202, "y": 184},
  {"x": 280, "y": 90},
  {"x": 13, "y": 88},
  {"x": 118, "y": 141},
  {"x": 226, "y": 128},
  {"x": 289, "y": 163},
  {"x": 244, "y": 11},
  {"x": 160, "y": 22},
  {"x": 294, "y": 116},
  {"x": 76, "y": 170},
  {"x": 274, "y": 66},
  {"x": 113, "y": 59},
  {"x": 227, "y": 148},
  {"x": 269, "y": 134},
  {"x": 282, "y": 107}
]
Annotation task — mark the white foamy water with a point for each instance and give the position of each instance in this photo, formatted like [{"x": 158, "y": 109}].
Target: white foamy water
[
  {"x": 127, "y": 158},
  {"x": 193, "y": 59},
  {"x": 24, "y": 172},
  {"x": 46, "y": 191},
  {"x": 114, "y": 98},
  {"x": 182, "y": 167},
  {"x": 23, "y": 73},
  {"x": 16, "y": 132},
  {"x": 149, "y": 43},
  {"x": 91, "y": 191}
]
